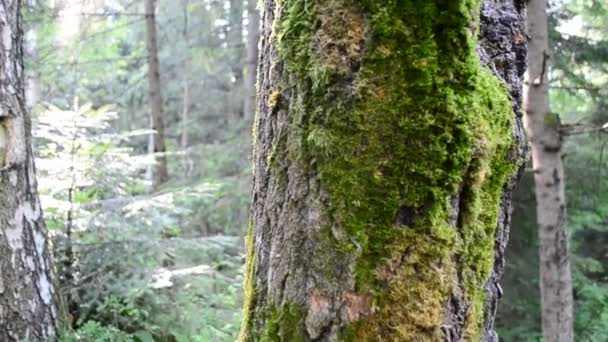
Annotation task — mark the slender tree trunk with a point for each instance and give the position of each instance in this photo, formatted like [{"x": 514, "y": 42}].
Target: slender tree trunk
[
  {"x": 27, "y": 296},
  {"x": 185, "y": 110},
  {"x": 157, "y": 141},
  {"x": 253, "y": 37},
  {"x": 543, "y": 128},
  {"x": 33, "y": 79},
  {"x": 386, "y": 147},
  {"x": 236, "y": 49},
  {"x": 32, "y": 84},
  {"x": 235, "y": 38},
  {"x": 70, "y": 267},
  {"x": 187, "y": 160}
]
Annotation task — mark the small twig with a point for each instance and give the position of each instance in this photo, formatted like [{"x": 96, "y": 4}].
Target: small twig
[
  {"x": 577, "y": 129},
  {"x": 541, "y": 78}
]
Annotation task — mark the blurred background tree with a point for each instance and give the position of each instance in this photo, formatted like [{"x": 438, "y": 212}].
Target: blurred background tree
[
  {"x": 142, "y": 264},
  {"x": 579, "y": 90}
]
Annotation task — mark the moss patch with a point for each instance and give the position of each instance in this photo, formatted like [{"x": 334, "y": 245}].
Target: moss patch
[
  {"x": 284, "y": 324},
  {"x": 396, "y": 115},
  {"x": 249, "y": 289}
]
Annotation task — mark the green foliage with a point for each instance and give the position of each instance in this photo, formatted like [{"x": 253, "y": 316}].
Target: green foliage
[
  {"x": 167, "y": 264},
  {"x": 94, "y": 331}
]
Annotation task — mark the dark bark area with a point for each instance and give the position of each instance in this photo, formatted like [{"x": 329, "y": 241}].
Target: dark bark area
[
  {"x": 326, "y": 263},
  {"x": 27, "y": 296}
]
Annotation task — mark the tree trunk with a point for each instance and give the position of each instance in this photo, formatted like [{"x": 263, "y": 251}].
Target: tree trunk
[
  {"x": 157, "y": 140},
  {"x": 27, "y": 296},
  {"x": 187, "y": 161},
  {"x": 236, "y": 51},
  {"x": 32, "y": 78},
  {"x": 543, "y": 128},
  {"x": 253, "y": 37},
  {"x": 235, "y": 37},
  {"x": 386, "y": 147}
]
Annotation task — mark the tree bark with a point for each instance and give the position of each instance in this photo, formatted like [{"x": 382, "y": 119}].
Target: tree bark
[
  {"x": 160, "y": 173},
  {"x": 387, "y": 142},
  {"x": 543, "y": 128},
  {"x": 253, "y": 37},
  {"x": 27, "y": 296}
]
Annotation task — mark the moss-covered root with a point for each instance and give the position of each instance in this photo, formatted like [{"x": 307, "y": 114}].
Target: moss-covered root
[{"x": 388, "y": 109}]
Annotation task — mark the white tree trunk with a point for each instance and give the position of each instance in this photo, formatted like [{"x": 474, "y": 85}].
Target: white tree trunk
[{"x": 543, "y": 128}]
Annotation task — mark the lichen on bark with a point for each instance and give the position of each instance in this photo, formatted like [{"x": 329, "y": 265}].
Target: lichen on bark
[{"x": 389, "y": 112}]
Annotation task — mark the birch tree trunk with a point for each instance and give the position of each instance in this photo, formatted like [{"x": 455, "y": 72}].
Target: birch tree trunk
[
  {"x": 160, "y": 173},
  {"x": 543, "y": 128},
  {"x": 27, "y": 296},
  {"x": 253, "y": 37},
  {"x": 388, "y": 138}
]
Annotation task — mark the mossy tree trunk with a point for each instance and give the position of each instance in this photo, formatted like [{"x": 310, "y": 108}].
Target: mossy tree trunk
[
  {"x": 28, "y": 311},
  {"x": 544, "y": 131},
  {"x": 388, "y": 137}
]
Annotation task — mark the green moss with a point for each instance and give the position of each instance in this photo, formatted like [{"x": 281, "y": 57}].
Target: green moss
[
  {"x": 284, "y": 324},
  {"x": 552, "y": 120},
  {"x": 249, "y": 290},
  {"x": 395, "y": 114}
]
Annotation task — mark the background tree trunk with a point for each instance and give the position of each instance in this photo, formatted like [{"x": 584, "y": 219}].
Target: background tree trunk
[
  {"x": 253, "y": 38},
  {"x": 27, "y": 296},
  {"x": 187, "y": 161},
  {"x": 32, "y": 83},
  {"x": 543, "y": 128},
  {"x": 235, "y": 38},
  {"x": 236, "y": 49},
  {"x": 160, "y": 173},
  {"x": 384, "y": 156}
]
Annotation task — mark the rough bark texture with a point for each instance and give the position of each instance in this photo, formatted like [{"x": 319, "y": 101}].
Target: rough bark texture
[
  {"x": 253, "y": 38},
  {"x": 27, "y": 305},
  {"x": 160, "y": 173},
  {"x": 543, "y": 128},
  {"x": 386, "y": 147}
]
